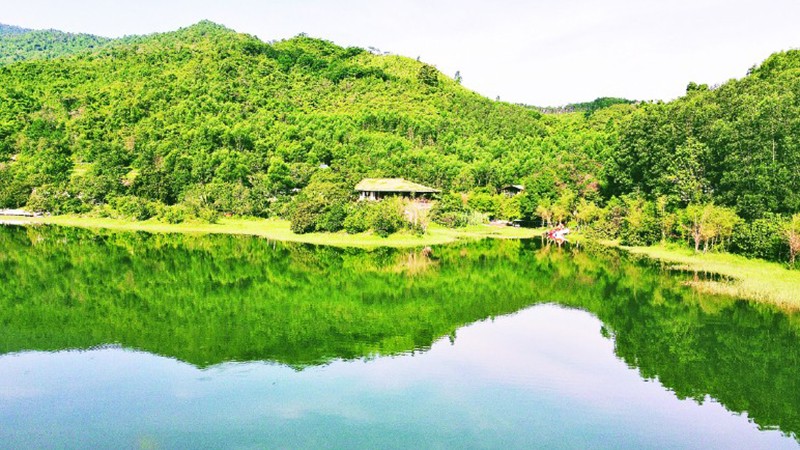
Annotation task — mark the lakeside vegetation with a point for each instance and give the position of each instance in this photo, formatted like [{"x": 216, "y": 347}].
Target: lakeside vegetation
[{"x": 748, "y": 278}]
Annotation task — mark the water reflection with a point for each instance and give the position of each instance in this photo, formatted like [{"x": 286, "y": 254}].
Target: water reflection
[{"x": 211, "y": 300}]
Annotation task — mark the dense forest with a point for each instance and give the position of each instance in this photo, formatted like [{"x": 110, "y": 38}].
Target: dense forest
[
  {"x": 206, "y": 121},
  {"x": 18, "y": 44}
]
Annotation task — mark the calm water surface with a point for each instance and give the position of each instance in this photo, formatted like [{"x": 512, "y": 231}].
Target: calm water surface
[{"x": 146, "y": 341}]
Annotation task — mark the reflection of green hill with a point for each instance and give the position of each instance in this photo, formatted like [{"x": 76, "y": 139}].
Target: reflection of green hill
[
  {"x": 207, "y": 300},
  {"x": 211, "y": 299}
]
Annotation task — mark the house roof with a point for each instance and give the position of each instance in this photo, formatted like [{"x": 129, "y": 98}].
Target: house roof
[{"x": 393, "y": 185}]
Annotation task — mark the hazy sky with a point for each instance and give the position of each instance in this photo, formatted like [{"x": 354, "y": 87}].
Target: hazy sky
[{"x": 537, "y": 52}]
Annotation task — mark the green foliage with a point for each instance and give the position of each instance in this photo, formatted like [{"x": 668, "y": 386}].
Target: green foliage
[
  {"x": 733, "y": 145},
  {"x": 321, "y": 206},
  {"x": 709, "y": 225},
  {"x": 589, "y": 108},
  {"x": 428, "y": 75},
  {"x": 792, "y": 235},
  {"x": 387, "y": 216},
  {"x": 19, "y": 44},
  {"x": 640, "y": 225},
  {"x": 154, "y": 116},
  {"x": 135, "y": 208},
  {"x": 761, "y": 238},
  {"x": 358, "y": 218},
  {"x": 223, "y": 123},
  {"x": 174, "y": 214},
  {"x": 451, "y": 211}
]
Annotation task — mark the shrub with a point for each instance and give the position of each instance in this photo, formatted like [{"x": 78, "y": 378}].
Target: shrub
[
  {"x": 132, "y": 207},
  {"x": 208, "y": 215},
  {"x": 174, "y": 214},
  {"x": 321, "y": 205},
  {"x": 332, "y": 220},
  {"x": 640, "y": 225},
  {"x": 452, "y": 219},
  {"x": 451, "y": 211},
  {"x": 387, "y": 217},
  {"x": 761, "y": 238},
  {"x": 358, "y": 218},
  {"x": 304, "y": 217}
]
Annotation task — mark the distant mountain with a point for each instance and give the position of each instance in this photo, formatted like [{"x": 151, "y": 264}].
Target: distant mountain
[
  {"x": 11, "y": 29},
  {"x": 19, "y": 44},
  {"x": 587, "y": 108}
]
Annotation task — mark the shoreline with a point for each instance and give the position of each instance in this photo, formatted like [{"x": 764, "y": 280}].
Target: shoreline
[
  {"x": 755, "y": 280},
  {"x": 278, "y": 229},
  {"x": 751, "y": 279}
]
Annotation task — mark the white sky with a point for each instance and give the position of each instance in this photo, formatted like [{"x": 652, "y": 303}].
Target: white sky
[{"x": 538, "y": 52}]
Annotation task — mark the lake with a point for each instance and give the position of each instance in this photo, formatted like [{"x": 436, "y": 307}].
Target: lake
[{"x": 133, "y": 340}]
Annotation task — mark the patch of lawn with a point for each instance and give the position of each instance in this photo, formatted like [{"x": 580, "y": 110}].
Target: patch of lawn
[
  {"x": 279, "y": 230},
  {"x": 752, "y": 279}
]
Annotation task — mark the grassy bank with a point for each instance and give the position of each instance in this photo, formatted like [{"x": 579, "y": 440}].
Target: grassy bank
[
  {"x": 752, "y": 279},
  {"x": 279, "y": 230}
]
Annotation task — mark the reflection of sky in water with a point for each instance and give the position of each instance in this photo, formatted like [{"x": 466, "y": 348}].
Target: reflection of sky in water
[{"x": 544, "y": 377}]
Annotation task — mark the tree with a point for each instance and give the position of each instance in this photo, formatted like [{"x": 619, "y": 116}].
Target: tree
[
  {"x": 544, "y": 210},
  {"x": 708, "y": 224},
  {"x": 428, "y": 75},
  {"x": 792, "y": 233}
]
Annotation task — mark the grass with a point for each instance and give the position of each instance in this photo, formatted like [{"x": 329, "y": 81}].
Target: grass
[
  {"x": 279, "y": 230},
  {"x": 752, "y": 279}
]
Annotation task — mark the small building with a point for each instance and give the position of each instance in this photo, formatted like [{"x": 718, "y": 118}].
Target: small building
[
  {"x": 513, "y": 189},
  {"x": 378, "y": 188}
]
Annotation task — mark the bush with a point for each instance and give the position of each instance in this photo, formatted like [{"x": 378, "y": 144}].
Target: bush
[
  {"x": 304, "y": 217},
  {"x": 358, "y": 218},
  {"x": 209, "y": 215},
  {"x": 55, "y": 199},
  {"x": 135, "y": 208},
  {"x": 452, "y": 219},
  {"x": 451, "y": 211},
  {"x": 387, "y": 217},
  {"x": 761, "y": 238},
  {"x": 333, "y": 219},
  {"x": 173, "y": 214},
  {"x": 640, "y": 225},
  {"x": 321, "y": 205}
]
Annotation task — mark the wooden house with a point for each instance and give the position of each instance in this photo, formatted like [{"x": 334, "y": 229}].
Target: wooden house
[{"x": 378, "y": 188}]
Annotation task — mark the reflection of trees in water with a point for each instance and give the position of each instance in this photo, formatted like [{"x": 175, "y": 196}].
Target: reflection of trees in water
[{"x": 210, "y": 299}]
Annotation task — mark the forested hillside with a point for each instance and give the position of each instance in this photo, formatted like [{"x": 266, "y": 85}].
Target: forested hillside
[
  {"x": 159, "y": 115},
  {"x": 737, "y": 145},
  {"x": 205, "y": 121},
  {"x": 19, "y": 44}
]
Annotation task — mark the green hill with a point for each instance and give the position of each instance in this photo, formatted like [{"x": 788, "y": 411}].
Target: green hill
[
  {"x": 735, "y": 144},
  {"x": 19, "y": 44},
  {"x": 207, "y": 116},
  {"x": 155, "y": 116}
]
